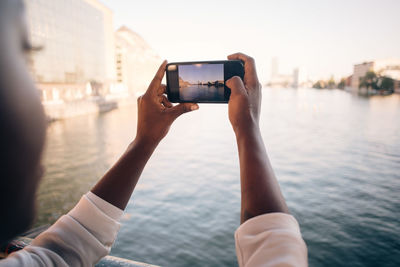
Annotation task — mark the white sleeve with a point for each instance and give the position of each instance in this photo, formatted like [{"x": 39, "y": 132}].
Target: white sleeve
[
  {"x": 106, "y": 207},
  {"x": 80, "y": 238},
  {"x": 272, "y": 239}
]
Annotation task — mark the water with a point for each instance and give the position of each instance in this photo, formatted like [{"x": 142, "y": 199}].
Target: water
[
  {"x": 200, "y": 93},
  {"x": 337, "y": 158}
]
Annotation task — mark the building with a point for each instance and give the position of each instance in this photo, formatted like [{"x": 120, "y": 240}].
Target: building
[
  {"x": 383, "y": 67},
  {"x": 136, "y": 61},
  {"x": 348, "y": 81},
  {"x": 78, "y": 55},
  {"x": 295, "y": 82},
  {"x": 359, "y": 71},
  {"x": 397, "y": 86},
  {"x": 283, "y": 80},
  {"x": 388, "y": 67}
]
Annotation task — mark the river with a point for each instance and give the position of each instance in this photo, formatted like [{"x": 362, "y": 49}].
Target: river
[
  {"x": 336, "y": 155},
  {"x": 202, "y": 92}
]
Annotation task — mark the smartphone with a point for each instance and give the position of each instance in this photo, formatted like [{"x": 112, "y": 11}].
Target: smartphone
[{"x": 201, "y": 81}]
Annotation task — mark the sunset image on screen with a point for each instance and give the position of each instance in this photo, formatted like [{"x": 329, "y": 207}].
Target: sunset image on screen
[{"x": 199, "y": 82}]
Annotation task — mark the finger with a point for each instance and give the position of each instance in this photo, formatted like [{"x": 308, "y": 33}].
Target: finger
[
  {"x": 165, "y": 102},
  {"x": 236, "y": 85},
  {"x": 162, "y": 89},
  {"x": 181, "y": 108},
  {"x": 156, "y": 82},
  {"x": 250, "y": 72},
  {"x": 139, "y": 99}
]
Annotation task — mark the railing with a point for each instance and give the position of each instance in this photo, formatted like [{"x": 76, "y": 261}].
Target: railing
[
  {"x": 108, "y": 261},
  {"x": 115, "y": 261}
]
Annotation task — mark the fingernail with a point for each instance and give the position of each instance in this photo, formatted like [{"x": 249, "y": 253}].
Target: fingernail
[{"x": 194, "y": 107}]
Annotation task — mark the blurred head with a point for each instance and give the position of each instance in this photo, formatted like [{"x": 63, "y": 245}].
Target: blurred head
[{"x": 22, "y": 125}]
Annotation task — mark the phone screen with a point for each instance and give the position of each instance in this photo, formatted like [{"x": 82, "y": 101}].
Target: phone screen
[{"x": 201, "y": 82}]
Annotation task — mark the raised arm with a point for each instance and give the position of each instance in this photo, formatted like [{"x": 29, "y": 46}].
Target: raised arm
[
  {"x": 85, "y": 235},
  {"x": 155, "y": 116},
  {"x": 259, "y": 188},
  {"x": 268, "y": 235}
]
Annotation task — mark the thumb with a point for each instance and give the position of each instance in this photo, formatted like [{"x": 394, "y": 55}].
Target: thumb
[
  {"x": 236, "y": 85},
  {"x": 183, "y": 108}
]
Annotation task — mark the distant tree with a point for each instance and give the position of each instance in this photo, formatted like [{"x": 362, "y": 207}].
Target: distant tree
[
  {"x": 342, "y": 83},
  {"x": 331, "y": 83},
  {"x": 387, "y": 83},
  {"x": 319, "y": 85},
  {"x": 369, "y": 81}
]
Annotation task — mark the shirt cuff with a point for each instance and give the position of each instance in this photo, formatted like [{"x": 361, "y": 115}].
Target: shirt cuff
[
  {"x": 95, "y": 220},
  {"x": 270, "y": 222},
  {"x": 272, "y": 239},
  {"x": 109, "y": 209}
]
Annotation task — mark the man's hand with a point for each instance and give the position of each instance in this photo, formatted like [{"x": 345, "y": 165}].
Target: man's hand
[
  {"x": 155, "y": 112},
  {"x": 245, "y": 99}
]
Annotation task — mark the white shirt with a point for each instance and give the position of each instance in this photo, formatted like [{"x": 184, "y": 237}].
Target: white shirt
[
  {"x": 85, "y": 235},
  {"x": 272, "y": 239}
]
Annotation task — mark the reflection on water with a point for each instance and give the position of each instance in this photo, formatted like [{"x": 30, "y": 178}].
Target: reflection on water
[
  {"x": 337, "y": 158},
  {"x": 198, "y": 93}
]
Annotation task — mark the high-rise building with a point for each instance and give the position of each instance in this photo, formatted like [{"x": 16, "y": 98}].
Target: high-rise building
[
  {"x": 78, "y": 44},
  {"x": 282, "y": 80}
]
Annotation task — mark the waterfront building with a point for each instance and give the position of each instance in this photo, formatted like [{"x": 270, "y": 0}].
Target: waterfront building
[
  {"x": 295, "y": 83},
  {"x": 397, "y": 86},
  {"x": 384, "y": 67},
  {"x": 359, "y": 71},
  {"x": 136, "y": 61},
  {"x": 77, "y": 58},
  {"x": 348, "y": 81},
  {"x": 283, "y": 80}
]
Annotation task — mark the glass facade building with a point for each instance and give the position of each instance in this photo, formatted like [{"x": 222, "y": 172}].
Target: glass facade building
[{"x": 77, "y": 39}]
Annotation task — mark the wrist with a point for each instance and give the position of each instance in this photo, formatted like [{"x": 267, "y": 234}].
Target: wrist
[
  {"x": 248, "y": 131},
  {"x": 146, "y": 143}
]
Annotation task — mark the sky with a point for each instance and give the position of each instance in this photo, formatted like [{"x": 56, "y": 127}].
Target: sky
[
  {"x": 207, "y": 73},
  {"x": 321, "y": 37}
]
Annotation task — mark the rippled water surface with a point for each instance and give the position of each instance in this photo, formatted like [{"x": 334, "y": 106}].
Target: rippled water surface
[
  {"x": 198, "y": 93},
  {"x": 337, "y": 158}
]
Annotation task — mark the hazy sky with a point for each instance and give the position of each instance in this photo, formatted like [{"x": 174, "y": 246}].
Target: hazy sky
[{"x": 320, "y": 37}]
